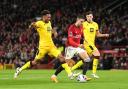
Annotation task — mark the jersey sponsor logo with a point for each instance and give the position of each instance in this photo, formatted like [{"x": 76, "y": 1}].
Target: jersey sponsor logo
[
  {"x": 77, "y": 36},
  {"x": 91, "y": 29},
  {"x": 70, "y": 34}
]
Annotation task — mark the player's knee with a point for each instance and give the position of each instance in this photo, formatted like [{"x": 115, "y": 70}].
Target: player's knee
[
  {"x": 96, "y": 54},
  {"x": 34, "y": 63},
  {"x": 61, "y": 58},
  {"x": 31, "y": 63},
  {"x": 97, "y": 57},
  {"x": 87, "y": 60},
  {"x": 70, "y": 62}
]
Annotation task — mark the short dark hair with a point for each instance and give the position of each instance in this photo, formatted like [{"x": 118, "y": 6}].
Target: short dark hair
[
  {"x": 88, "y": 12},
  {"x": 44, "y": 12},
  {"x": 80, "y": 16}
]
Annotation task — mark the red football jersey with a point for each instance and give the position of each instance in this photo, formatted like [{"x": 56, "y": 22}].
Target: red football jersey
[{"x": 74, "y": 35}]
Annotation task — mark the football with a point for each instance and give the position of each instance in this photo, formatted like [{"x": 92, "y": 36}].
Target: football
[{"x": 81, "y": 78}]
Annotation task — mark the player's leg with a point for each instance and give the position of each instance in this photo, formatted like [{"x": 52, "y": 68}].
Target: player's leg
[
  {"x": 93, "y": 51},
  {"x": 96, "y": 55},
  {"x": 77, "y": 65},
  {"x": 83, "y": 56},
  {"x": 63, "y": 65},
  {"x": 40, "y": 54},
  {"x": 86, "y": 61},
  {"x": 54, "y": 76},
  {"x": 70, "y": 63}
]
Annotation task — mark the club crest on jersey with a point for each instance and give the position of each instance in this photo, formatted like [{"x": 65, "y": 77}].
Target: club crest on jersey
[
  {"x": 48, "y": 29},
  {"x": 70, "y": 34},
  {"x": 91, "y": 29}
]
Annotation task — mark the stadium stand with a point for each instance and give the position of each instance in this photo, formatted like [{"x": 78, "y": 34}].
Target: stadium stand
[{"x": 18, "y": 43}]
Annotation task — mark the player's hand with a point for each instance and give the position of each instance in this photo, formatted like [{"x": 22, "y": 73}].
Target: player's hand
[
  {"x": 32, "y": 25},
  {"x": 111, "y": 35},
  {"x": 81, "y": 46},
  {"x": 107, "y": 35},
  {"x": 55, "y": 32}
]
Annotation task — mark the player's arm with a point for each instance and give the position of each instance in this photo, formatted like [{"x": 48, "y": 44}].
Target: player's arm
[
  {"x": 32, "y": 25},
  {"x": 82, "y": 38},
  {"x": 73, "y": 43},
  {"x": 98, "y": 34},
  {"x": 35, "y": 25},
  {"x": 54, "y": 32}
]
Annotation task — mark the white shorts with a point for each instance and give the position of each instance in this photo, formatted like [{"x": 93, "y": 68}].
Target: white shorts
[{"x": 71, "y": 51}]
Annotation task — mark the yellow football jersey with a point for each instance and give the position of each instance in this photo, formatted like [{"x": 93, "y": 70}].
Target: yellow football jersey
[
  {"x": 45, "y": 33},
  {"x": 90, "y": 32}
]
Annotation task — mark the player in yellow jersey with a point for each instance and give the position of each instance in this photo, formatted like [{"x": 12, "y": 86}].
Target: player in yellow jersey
[
  {"x": 91, "y": 31},
  {"x": 46, "y": 45}
]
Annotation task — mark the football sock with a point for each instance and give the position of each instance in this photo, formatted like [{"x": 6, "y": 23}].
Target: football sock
[
  {"x": 25, "y": 66},
  {"x": 58, "y": 70},
  {"x": 77, "y": 65},
  {"x": 67, "y": 68},
  {"x": 95, "y": 64},
  {"x": 85, "y": 67}
]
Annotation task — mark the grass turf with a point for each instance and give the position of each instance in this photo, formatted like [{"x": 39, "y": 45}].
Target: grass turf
[{"x": 40, "y": 79}]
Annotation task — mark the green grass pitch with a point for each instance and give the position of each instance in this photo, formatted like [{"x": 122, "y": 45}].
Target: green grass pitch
[{"x": 40, "y": 79}]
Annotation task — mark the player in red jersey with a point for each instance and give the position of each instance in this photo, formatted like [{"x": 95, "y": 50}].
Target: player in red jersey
[{"x": 74, "y": 47}]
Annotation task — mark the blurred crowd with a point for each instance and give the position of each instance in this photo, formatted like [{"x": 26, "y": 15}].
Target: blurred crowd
[{"x": 18, "y": 44}]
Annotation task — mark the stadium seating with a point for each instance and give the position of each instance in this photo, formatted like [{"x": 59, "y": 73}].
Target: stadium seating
[{"x": 16, "y": 39}]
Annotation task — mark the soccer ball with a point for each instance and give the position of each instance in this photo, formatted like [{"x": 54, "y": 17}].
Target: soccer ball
[{"x": 81, "y": 78}]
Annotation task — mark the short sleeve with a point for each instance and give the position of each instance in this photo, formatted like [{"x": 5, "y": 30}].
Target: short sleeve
[
  {"x": 83, "y": 24},
  {"x": 38, "y": 24},
  {"x": 70, "y": 32},
  {"x": 97, "y": 27}
]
